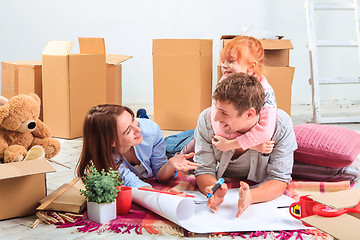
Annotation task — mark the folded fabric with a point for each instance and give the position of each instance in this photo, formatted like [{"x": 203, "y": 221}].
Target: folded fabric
[
  {"x": 325, "y": 145},
  {"x": 311, "y": 172}
]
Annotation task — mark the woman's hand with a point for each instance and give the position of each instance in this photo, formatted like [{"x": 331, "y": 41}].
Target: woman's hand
[
  {"x": 180, "y": 162},
  {"x": 223, "y": 144},
  {"x": 245, "y": 198},
  {"x": 265, "y": 147}
]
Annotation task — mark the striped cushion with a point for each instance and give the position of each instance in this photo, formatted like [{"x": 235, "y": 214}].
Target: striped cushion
[
  {"x": 325, "y": 145},
  {"x": 310, "y": 172}
]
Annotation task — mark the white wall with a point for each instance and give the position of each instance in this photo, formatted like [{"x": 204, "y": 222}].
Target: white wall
[{"x": 129, "y": 26}]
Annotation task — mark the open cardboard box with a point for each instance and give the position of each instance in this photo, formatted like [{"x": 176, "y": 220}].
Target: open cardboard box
[
  {"x": 346, "y": 226},
  {"x": 22, "y": 186},
  {"x": 73, "y": 83},
  {"x": 277, "y": 70},
  {"x": 21, "y": 77},
  {"x": 182, "y": 75}
]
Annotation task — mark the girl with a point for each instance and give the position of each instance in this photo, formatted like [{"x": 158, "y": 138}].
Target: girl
[
  {"x": 246, "y": 54},
  {"x": 114, "y": 138}
]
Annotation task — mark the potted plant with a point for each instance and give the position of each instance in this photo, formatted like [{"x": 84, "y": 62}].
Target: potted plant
[{"x": 101, "y": 190}]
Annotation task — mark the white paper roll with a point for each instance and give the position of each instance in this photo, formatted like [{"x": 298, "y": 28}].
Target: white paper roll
[{"x": 171, "y": 207}]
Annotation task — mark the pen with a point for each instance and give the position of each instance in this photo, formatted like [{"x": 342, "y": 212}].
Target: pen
[{"x": 216, "y": 187}]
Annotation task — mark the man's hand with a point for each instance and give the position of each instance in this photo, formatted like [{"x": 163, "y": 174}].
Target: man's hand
[
  {"x": 223, "y": 144},
  {"x": 245, "y": 198},
  {"x": 218, "y": 196},
  {"x": 180, "y": 162},
  {"x": 265, "y": 147}
]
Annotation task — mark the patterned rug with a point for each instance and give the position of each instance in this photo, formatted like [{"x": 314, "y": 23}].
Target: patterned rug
[{"x": 140, "y": 218}]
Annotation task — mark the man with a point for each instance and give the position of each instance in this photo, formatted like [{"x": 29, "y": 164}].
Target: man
[{"x": 238, "y": 100}]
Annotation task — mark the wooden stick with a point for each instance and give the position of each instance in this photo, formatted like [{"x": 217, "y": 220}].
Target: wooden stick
[{"x": 53, "y": 161}]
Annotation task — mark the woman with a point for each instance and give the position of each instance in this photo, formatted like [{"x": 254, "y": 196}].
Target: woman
[{"x": 113, "y": 138}]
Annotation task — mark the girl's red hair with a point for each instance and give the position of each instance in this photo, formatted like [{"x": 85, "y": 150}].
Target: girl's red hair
[{"x": 245, "y": 49}]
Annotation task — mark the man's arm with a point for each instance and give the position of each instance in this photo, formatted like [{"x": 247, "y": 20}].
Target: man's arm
[
  {"x": 268, "y": 191},
  {"x": 205, "y": 182}
]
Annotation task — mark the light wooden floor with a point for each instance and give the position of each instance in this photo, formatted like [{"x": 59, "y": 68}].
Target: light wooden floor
[{"x": 18, "y": 228}]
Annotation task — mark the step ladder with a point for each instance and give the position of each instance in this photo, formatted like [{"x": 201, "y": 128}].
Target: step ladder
[{"x": 314, "y": 43}]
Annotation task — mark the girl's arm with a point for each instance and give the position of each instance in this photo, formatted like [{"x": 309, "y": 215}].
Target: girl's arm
[{"x": 265, "y": 128}]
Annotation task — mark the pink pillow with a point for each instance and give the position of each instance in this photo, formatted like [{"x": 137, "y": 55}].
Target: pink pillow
[{"x": 326, "y": 145}]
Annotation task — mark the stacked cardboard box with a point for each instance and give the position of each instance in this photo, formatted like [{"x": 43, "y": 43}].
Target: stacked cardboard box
[
  {"x": 182, "y": 75},
  {"x": 277, "y": 70},
  {"x": 65, "y": 94},
  {"x": 22, "y": 186}
]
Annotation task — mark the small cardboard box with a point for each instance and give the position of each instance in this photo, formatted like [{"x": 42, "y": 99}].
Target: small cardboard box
[
  {"x": 22, "y": 186},
  {"x": 277, "y": 70},
  {"x": 343, "y": 227},
  {"x": 276, "y": 51},
  {"x": 67, "y": 198},
  {"x": 182, "y": 75},
  {"x": 21, "y": 77},
  {"x": 73, "y": 83}
]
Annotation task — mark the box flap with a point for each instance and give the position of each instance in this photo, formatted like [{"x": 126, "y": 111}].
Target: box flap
[
  {"x": 274, "y": 44},
  {"x": 24, "y": 168},
  {"x": 26, "y": 63},
  {"x": 344, "y": 227},
  {"x": 58, "y": 48},
  {"x": 92, "y": 45},
  {"x": 232, "y": 36},
  {"x": 341, "y": 199},
  {"x": 228, "y": 36},
  {"x": 116, "y": 59}
]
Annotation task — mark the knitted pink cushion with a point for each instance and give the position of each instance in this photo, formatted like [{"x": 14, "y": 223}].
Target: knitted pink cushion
[{"x": 325, "y": 145}]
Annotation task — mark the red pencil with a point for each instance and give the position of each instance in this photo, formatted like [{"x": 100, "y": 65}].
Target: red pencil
[{"x": 158, "y": 191}]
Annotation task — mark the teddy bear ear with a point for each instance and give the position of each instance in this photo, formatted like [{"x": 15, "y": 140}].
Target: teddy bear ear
[
  {"x": 4, "y": 111},
  {"x": 35, "y": 96},
  {"x": 3, "y": 100}
]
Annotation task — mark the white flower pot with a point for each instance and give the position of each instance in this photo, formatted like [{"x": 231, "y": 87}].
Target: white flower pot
[{"x": 101, "y": 212}]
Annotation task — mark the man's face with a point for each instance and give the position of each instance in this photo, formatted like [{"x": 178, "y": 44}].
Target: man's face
[{"x": 229, "y": 119}]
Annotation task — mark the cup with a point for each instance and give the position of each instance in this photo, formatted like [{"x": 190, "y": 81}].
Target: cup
[
  {"x": 123, "y": 200},
  {"x": 302, "y": 208}
]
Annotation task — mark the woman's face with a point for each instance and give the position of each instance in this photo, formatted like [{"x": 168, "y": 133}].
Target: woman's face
[{"x": 129, "y": 132}]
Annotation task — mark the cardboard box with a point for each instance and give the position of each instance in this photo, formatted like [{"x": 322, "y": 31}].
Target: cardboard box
[
  {"x": 276, "y": 51},
  {"x": 67, "y": 198},
  {"x": 277, "y": 70},
  {"x": 21, "y": 77},
  {"x": 73, "y": 83},
  {"x": 22, "y": 186},
  {"x": 113, "y": 78},
  {"x": 182, "y": 75},
  {"x": 280, "y": 79},
  {"x": 346, "y": 226}
]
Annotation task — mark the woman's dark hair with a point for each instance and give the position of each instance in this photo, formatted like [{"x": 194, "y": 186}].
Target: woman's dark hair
[{"x": 99, "y": 138}]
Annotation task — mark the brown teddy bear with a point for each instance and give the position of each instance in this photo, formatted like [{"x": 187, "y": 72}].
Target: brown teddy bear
[{"x": 20, "y": 128}]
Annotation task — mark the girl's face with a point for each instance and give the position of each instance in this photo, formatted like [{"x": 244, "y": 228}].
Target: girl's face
[
  {"x": 129, "y": 132},
  {"x": 231, "y": 65}
]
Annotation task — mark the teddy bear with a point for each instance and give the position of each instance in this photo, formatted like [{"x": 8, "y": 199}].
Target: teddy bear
[{"x": 21, "y": 128}]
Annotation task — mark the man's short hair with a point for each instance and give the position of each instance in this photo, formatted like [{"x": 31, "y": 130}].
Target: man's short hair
[{"x": 242, "y": 90}]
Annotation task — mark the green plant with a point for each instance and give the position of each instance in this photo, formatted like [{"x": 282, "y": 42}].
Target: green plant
[{"x": 101, "y": 187}]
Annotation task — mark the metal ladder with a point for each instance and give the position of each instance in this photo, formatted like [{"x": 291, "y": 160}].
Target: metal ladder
[{"x": 314, "y": 43}]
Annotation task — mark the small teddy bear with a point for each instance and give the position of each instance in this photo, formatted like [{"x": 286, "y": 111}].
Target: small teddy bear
[{"x": 20, "y": 128}]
